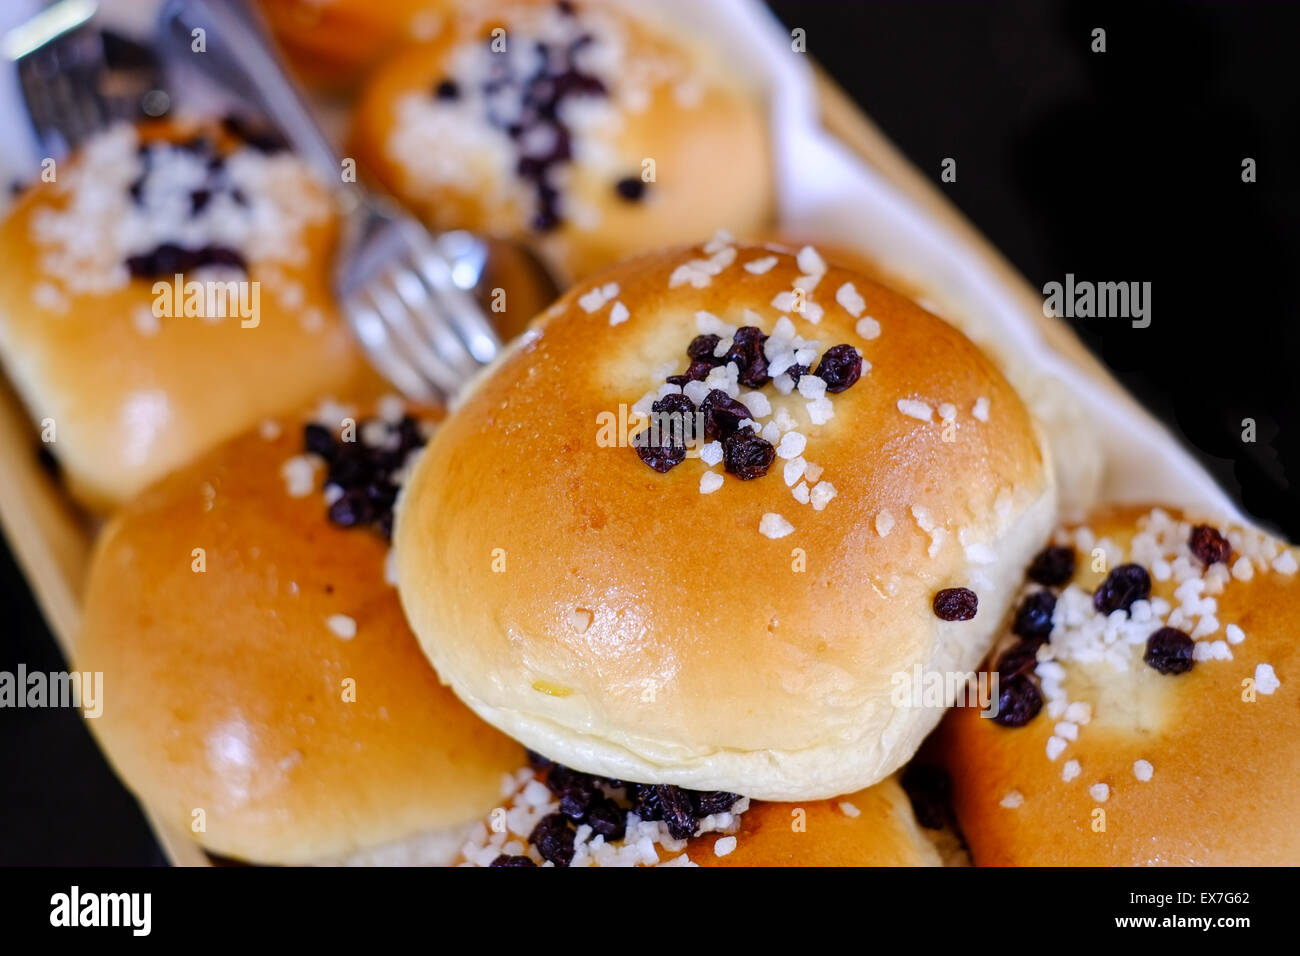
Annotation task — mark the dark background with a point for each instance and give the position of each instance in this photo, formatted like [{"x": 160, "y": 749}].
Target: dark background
[{"x": 1116, "y": 166}]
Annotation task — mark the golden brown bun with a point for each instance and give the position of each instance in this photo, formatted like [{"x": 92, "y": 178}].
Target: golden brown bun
[
  {"x": 885, "y": 833},
  {"x": 706, "y": 135},
  {"x": 224, "y": 689},
  {"x": 130, "y": 404},
  {"x": 1224, "y": 772},
  {"x": 333, "y": 43},
  {"x": 874, "y": 827},
  {"x": 641, "y": 630}
]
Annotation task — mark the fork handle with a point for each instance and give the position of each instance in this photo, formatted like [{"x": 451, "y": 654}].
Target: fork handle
[{"x": 239, "y": 57}]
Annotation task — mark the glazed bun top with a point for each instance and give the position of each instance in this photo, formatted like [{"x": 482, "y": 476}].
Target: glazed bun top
[
  {"x": 729, "y": 615},
  {"x": 583, "y": 128},
  {"x": 127, "y": 378},
  {"x": 1151, "y": 699},
  {"x": 257, "y": 666},
  {"x": 333, "y": 44}
]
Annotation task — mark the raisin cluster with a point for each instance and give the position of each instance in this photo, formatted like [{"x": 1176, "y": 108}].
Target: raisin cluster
[
  {"x": 604, "y": 804},
  {"x": 362, "y": 473}
]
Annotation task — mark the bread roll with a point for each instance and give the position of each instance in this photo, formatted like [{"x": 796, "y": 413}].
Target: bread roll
[
  {"x": 553, "y": 139},
  {"x": 332, "y": 44},
  {"x": 536, "y": 826},
  {"x": 257, "y": 668},
  {"x": 125, "y": 385},
  {"x": 746, "y": 639},
  {"x": 1191, "y": 759}
]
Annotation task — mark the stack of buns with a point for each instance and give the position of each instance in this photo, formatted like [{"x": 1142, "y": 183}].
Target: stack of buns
[{"x": 648, "y": 594}]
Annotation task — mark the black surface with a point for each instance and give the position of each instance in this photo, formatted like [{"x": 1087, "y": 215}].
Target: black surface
[{"x": 1119, "y": 166}]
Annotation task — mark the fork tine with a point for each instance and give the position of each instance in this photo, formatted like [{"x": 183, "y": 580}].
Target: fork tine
[
  {"x": 461, "y": 308},
  {"x": 398, "y": 320},
  {"x": 378, "y": 343},
  {"x": 429, "y": 322}
]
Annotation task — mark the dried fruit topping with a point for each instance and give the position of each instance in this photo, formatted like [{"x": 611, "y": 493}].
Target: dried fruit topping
[
  {"x": 840, "y": 367},
  {"x": 1034, "y": 616},
  {"x": 956, "y": 604},
  {"x": 747, "y": 352},
  {"x": 1169, "y": 651},
  {"x": 722, "y": 414},
  {"x": 747, "y": 454},
  {"x": 362, "y": 472},
  {"x": 1209, "y": 546},
  {"x": 701, "y": 349},
  {"x": 1052, "y": 567},
  {"x": 553, "y": 837},
  {"x": 1124, "y": 585},
  {"x": 1019, "y": 701}
]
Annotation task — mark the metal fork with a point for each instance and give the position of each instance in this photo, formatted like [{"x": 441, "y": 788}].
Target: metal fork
[
  {"x": 75, "y": 80},
  {"x": 420, "y": 329}
]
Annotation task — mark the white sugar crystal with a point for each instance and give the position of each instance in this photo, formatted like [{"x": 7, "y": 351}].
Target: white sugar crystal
[
  {"x": 709, "y": 324},
  {"x": 822, "y": 494},
  {"x": 810, "y": 262},
  {"x": 783, "y": 383},
  {"x": 1079, "y": 712},
  {"x": 1242, "y": 569},
  {"x": 299, "y": 474},
  {"x": 793, "y": 471},
  {"x": 801, "y": 493},
  {"x": 718, "y": 242},
  {"x": 849, "y": 809},
  {"x": 884, "y": 523},
  {"x": 711, "y": 454},
  {"x": 820, "y": 410},
  {"x": 1012, "y": 800},
  {"x": 868, "y": 328},
  {"x": 618, "y": 314},
  {"x": 812, "y": 311},
  {"x": 1265, "y": 679},
  {"x": 1055, "y": 747},
  {"x": 814, "y": 471},
  {"x": 784, "y": 301},
  {"x": 592, "y": 300},
  {"x": 145, "y": 322},
  {"x": 1067, "y": 730},
  {"x": 695, "y": 391},
  {"x": 760, "y": 266},
  {"x": 1099, "y": 792},
  {"x": 1234, "y": 634},
  {"x": 710, "y": 482},
  {"x": 947, "y": 411},
  {"x": 724, "y": 845},
  {"x": 792, "y": 445},
  {"x": 771, "y": 432},
  {"x": 915, "y": 409},
  {"x": 1070, "y": 770},
  {"x": 1285, "y": 563},
  {"x": 758, "y": 404},
  {"x": 852, "y": 302},
  {"x": 981, "y": 409},
  {"x": 342, "y": 626},
  {"x": 1143, "y": 770},
  {"x": 772, "y": 525}
]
